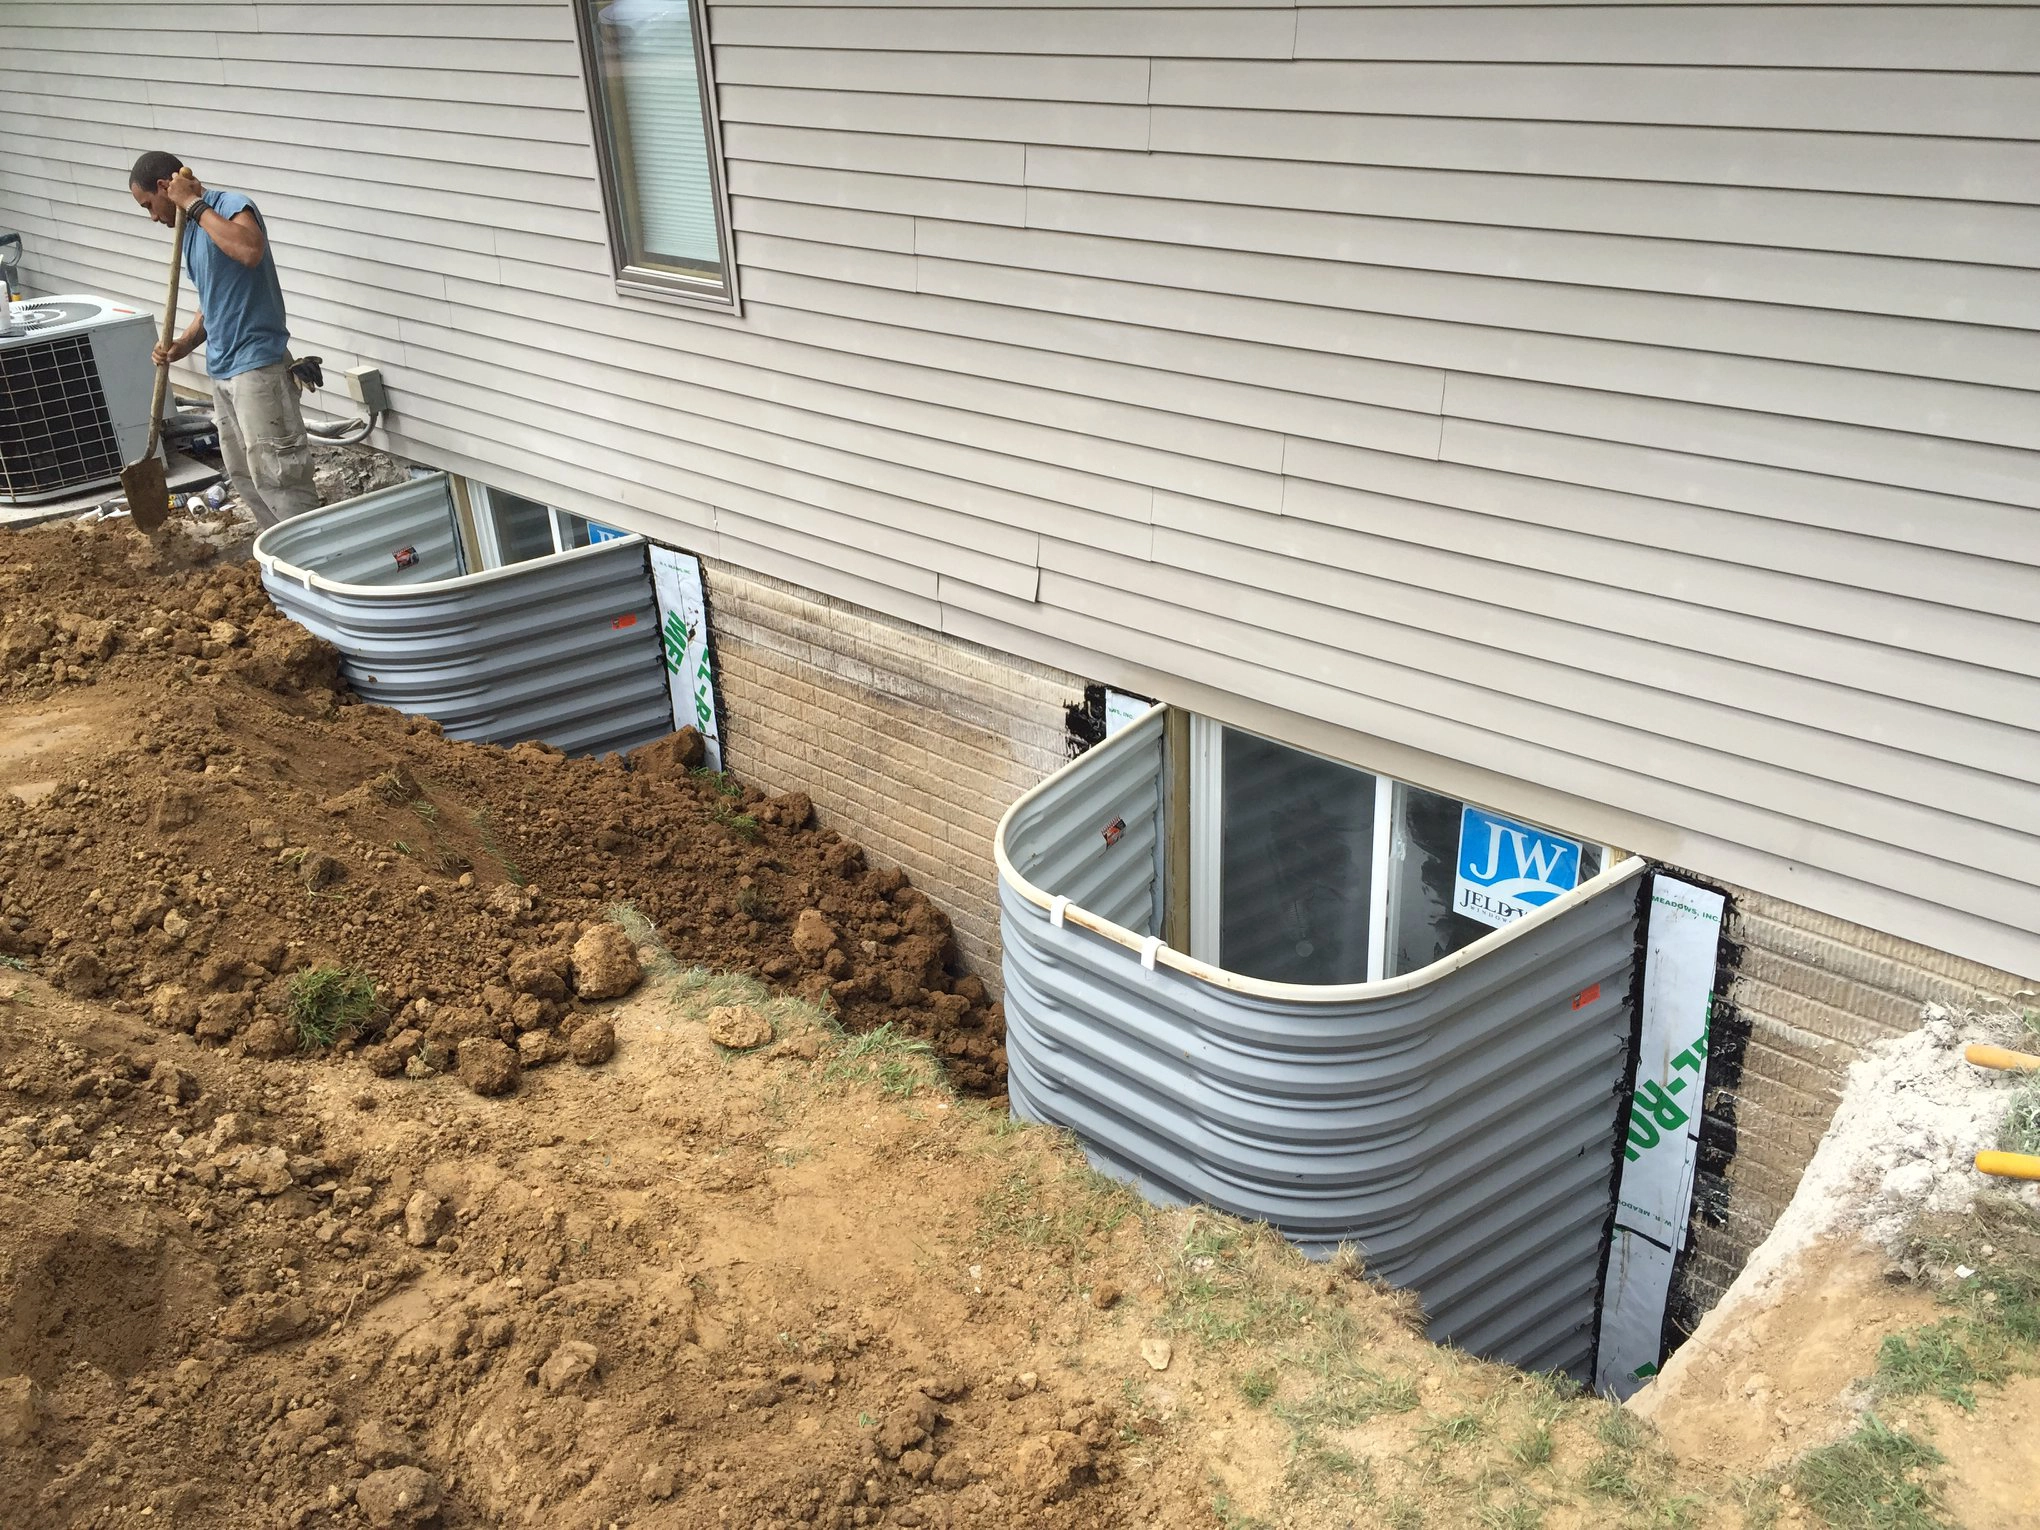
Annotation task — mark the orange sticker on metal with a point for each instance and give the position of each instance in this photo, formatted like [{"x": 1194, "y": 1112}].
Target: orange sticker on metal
[
  {"x": 1586, "y": 996},
  {"x": 625, "y": 621}
]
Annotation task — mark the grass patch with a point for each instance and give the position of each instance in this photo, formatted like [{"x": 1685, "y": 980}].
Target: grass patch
[
  {"x": 326, "y": 1001},
  {"x": 1627, "y": 1470},
  {"x": 1876, "y": 1479},
  {"x": 742, "y": 825},
  {"x": 1550, "y": 1394},
  {"x": 17, "y": 963},
  {"x": 1347, "y": 1393},
  {"x": 1454, "y": 1430},
  {"x": 485, "y": 830},
  {"x": 1532, "y": 1448},
  {"x": 1945, "y": 1359},
  {"x": 2019, "y": 1132},
  {"x": 1226, "y": 1283},
  {"x": 719, "y": 779},
  {"x": 1608, "y": 1476},
  {"x": 1258, "y": 1387},
  {"x": 1057, "y": 1205},
  {"x": 1317, "y": 1468},
  {"x": 899, "y": 1064},
  {"x": 1998, "y": 1242},
  {"x": 694, "y": 991},
  {"x": 1619, "y": 1429},
  {"x": 997, "y": 1124},
  {"x": 425, "y": 808},
  {"x": 637, "y": 924}
]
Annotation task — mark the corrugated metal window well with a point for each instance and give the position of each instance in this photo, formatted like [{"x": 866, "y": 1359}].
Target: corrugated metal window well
[
  {"x": 498, "y": 616},
  {"x": 1252, "y": 977}
]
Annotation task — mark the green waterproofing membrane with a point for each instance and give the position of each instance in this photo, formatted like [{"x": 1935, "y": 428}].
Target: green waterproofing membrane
[
  {"x": 1458, "y": 1124},
  {"x": 564, "y": 649}
]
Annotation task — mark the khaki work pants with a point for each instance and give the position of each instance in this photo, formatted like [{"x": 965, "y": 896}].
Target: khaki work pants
[{"x": 263, "y": 442}]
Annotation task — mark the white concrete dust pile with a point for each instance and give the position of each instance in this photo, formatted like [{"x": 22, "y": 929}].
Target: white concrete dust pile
[{"x": 1912, "y": 1118}]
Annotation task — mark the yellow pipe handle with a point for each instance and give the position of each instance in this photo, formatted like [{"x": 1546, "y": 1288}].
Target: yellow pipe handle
[
  {"x": 2002, "y": 1057},
  {"x": 2010, "y": 1165}
]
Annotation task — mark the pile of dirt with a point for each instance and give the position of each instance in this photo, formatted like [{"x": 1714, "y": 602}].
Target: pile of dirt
[
  {"x": 1867, "y": 1254},
  {"x": 255, "y": 1294},
  {"x": 1912, "y": 1118},
  {"x": 194, "y": 811}
]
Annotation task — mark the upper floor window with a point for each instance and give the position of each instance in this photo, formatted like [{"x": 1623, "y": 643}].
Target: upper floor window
[{"x": 653, "y": 101}]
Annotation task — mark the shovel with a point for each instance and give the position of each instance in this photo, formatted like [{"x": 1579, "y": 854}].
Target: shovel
[
  {"x": 2001, "y": 1057},
  {"x": 142, "y": 482}
]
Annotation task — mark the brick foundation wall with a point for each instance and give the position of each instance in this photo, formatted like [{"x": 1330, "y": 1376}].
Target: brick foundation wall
[
  {"x": 909, "y": 742},
  {"x": 1805, "y": 995}
]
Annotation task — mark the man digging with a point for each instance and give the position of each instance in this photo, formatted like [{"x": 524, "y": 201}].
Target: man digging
[{"x": 241, "y": 324}]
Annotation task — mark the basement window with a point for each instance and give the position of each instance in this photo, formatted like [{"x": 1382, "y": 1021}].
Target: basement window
[
  {"x": 510, "y": 528},
  {"x": 1308, "y": 870},
  {"x": 651, "y": 95}
]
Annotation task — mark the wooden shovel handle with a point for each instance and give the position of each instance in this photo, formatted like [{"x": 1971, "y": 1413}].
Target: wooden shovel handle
[
  {"x": 169, "y": 333},
  {"x": 2002, "y": 1057}
]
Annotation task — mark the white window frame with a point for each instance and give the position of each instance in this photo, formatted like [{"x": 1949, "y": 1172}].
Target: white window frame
[
  {"x": 650, "y": 281},
  {"x": 489, "y": 546},
  {"x": 1207, "y": 827},
  {"x": 1207, "y": 824}
]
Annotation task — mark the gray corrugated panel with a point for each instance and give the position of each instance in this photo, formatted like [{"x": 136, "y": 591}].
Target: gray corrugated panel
[
  {"x": 358, "y": 541},
  {"x": 1458, "y": 1124},
  {"x": 564, "y": 649},
  {"x": 1057, "y": 834}
]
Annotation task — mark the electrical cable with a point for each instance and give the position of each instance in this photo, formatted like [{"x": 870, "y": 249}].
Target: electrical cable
[
  {"x": 310, "y": 375},
  {"x": 347, "y": 432}
]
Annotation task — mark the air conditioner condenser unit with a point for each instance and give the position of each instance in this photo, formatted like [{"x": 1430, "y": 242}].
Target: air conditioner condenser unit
[{"x": 75, "y": 380}]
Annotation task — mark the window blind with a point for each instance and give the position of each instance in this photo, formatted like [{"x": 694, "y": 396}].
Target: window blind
[{"x": 672, "y": 193}]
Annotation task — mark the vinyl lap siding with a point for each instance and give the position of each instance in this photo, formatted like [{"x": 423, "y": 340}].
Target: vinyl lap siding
[{"x": 1627, "y": 416}]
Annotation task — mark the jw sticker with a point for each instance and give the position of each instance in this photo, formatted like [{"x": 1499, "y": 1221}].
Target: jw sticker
[{"x": 1508, "y": 869}]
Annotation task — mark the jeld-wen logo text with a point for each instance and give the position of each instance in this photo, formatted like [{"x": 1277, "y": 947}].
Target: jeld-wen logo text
[{"x": 1508, "y": 869}]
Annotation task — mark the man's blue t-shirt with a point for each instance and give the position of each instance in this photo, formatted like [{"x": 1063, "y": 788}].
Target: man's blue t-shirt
[{"x": 243, "y": 305}]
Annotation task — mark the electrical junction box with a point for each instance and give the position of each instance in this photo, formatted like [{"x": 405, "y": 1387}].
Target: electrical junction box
[{"x": 365, "y": 387}]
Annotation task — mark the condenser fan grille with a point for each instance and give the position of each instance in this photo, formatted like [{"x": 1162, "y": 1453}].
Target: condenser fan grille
[
  {"x": 54, "y": 428},
  {"x": 47, "y": 313}
]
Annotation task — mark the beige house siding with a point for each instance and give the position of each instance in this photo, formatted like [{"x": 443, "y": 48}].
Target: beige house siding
[{"x": 1623, "y": 416}]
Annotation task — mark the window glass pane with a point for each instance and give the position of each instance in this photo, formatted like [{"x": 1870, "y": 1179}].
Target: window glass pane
[
  {"x": 523, "y": 526},
  {"x": 1423, "y": 861},
  {"x": 573, "y": 531},
  {"x": 1297, "y": 846},
  {"x": 654, "y": 130}
]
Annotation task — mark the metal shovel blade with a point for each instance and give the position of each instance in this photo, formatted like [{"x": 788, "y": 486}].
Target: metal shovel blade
[
  {"x": 147, "y": 491},
  {"x": 143, "y": 482}
]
